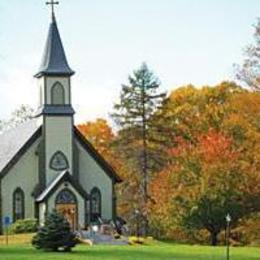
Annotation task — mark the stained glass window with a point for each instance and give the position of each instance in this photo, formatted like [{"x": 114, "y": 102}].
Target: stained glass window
[
  {"x": 65, "y": 197},
  {"x": 18, "y": 204},
  {"x": 95, "y": 204}
]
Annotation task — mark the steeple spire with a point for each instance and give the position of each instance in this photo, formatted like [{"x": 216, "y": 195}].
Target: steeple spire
[{"x": 54, "y": 61}]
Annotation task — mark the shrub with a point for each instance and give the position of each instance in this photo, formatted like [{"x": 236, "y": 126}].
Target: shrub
[
  {"x": 247, "y": 232},
  {"x": 24, "y": 226},
  {"x": 136, "y": 240},
  {"x": 55, "y": 234}
]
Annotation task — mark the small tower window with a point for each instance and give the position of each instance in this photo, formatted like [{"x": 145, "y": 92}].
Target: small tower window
[
  {"x": 18, "y": 204},
  {"x": 57, "y": 94},
  {"x": 40, "y": 97},
  {"x": 95, "y": 205}
]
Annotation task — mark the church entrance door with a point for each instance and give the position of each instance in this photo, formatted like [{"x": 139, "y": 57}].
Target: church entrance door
[
  {"x": 69, "y": 211},
  {"x": 66, "y": 204}
]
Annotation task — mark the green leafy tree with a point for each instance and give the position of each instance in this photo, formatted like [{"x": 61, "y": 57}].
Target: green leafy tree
[
  {"x": 55, "y": 234},
  {"x": 210, "y": 211},
  {"x": 139, "y": 100}
]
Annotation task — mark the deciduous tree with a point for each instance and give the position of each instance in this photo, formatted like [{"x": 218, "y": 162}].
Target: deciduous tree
[
  {"x": 249, "y": 72},
  {"x": 213, "y": 143},
  {"x": 18, "y": 116}
]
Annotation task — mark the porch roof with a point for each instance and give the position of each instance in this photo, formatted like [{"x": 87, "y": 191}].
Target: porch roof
[{"x": 64, "y": 176}]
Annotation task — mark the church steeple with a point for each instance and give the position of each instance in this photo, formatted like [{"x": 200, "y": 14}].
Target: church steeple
[
  {"x": 54, "y": 61},
  {"x": 55, "y": 112},
  {"x": 54, "y": 74}
]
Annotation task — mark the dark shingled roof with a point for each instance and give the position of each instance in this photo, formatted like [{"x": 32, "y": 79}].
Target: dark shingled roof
[
  {"x": 13, "y": 140},
  {"x": 54, "y": 61}
]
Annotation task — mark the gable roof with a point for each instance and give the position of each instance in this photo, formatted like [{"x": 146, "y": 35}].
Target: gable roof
[
  {"x": 96, "y": 156},
  {"x": 15, "y": 142},
  {"x": 62, "y": 177},
  {"x": 54, "y": 61}
]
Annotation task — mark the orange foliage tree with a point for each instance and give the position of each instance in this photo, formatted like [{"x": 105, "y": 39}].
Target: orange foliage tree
[
  {"x": 100, "y": 135},
  {"x": 201, "y": 186},
  {"x": 212, "y": 138}
]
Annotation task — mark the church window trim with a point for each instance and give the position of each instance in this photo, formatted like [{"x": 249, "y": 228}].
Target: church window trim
[
  {"x": 18, "y": 209},
  {"x": 59, "y": 95},
  {"x": 66, "y": 196},
  {"x": 60, "y": 157},
  {"x": 95, "y": 209}
]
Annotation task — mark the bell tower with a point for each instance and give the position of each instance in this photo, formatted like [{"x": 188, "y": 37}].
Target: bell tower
[{"x": 55, "y": 110}]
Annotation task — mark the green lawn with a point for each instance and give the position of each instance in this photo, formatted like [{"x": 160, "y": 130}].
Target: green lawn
[
  {"x": 20, "y": 249},
  {"x": 160, "y": 251}
]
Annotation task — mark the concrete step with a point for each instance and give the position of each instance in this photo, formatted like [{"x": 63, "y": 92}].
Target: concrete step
[{"x": 98, "y": 238}]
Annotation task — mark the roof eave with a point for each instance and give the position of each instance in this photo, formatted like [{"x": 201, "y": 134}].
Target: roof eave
[
  {"x": 54, "y": 74},
  {"x": 21, "y": 152},
  {"x": 65, "y": 176}
]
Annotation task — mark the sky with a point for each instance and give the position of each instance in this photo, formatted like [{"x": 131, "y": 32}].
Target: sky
[{"x": 182, "y": 41}]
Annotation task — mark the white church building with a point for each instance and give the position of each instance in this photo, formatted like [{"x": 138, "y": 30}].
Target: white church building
[{"x": 46, "y": 163}]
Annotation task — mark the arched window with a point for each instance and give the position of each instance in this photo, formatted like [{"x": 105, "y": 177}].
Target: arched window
[
  {"x": 95, "y": 204},
  {"x": 57, "y": 94},
  {"x": 18, "y": 204},
  {"x": 66, "y": 197},
  {"x": 40, "y": 97}
]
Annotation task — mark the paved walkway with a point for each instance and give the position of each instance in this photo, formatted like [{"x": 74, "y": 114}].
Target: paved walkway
[{"x": 98, "y": 238}]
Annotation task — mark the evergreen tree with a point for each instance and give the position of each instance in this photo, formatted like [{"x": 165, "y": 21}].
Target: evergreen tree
[
  {"x": 55, "y": 234},
  {"x": 133, "y": 114}
]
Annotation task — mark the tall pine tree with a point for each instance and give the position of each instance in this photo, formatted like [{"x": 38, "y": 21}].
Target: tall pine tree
[{"x": 139, "y": 100}]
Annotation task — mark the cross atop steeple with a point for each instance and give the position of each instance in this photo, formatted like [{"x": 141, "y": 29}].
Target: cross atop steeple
[{"x": 52, "y": 3}]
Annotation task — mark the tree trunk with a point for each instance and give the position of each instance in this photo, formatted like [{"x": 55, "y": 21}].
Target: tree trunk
[
  {"x": 214, "y": 238},
  {"x": 145, "y": 166}
]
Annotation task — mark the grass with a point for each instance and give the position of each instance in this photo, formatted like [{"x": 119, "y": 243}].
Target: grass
[
  {"x": 20, "y": 239},
  {"x": 18, "y": 250}
]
